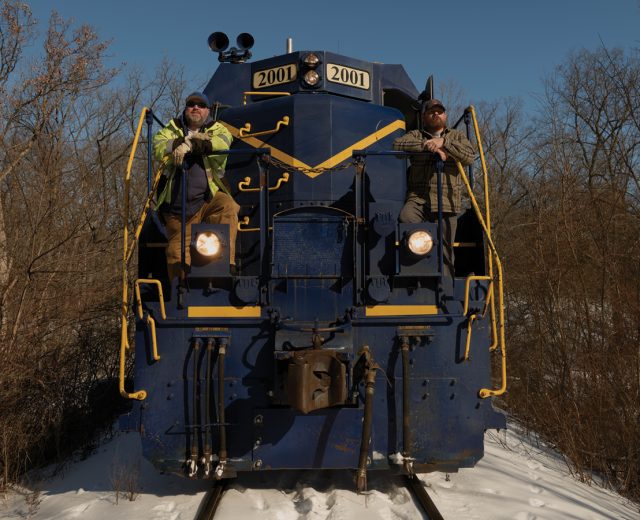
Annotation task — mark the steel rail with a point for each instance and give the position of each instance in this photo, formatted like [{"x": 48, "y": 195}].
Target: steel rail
[
  {"x": 420, "y": 493},
  {"x": 209, "y": 506}
]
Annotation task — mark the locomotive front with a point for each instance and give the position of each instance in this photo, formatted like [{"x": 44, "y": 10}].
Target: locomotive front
[{"x": 338, "y": 342}]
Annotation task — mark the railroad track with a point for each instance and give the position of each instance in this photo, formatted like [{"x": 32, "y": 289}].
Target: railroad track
[{"x": 212, "y": 499}]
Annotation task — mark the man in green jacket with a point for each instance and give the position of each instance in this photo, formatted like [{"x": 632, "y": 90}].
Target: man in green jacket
[
  {"x": 421, "y": 204},
  {"x": 189, "y": 141}
]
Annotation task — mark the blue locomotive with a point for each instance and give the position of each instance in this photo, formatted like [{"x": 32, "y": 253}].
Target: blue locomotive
[{"x": 338, "y": 342}]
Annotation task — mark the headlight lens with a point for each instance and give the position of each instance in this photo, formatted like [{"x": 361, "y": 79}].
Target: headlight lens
[
  {"x": 208, "y": 244},
  {"x": 311, "y": 78},
  {"x": 420, "y": 242},
  {"x": 311, "y": 60}
]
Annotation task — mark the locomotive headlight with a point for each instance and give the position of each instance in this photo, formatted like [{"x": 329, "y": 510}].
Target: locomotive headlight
[
  {"x": 208, "y": 244},
  {"x": 311, "y": 78},
  {"x": 311, "y": 60},
  {"x": 420, "y": 243}
]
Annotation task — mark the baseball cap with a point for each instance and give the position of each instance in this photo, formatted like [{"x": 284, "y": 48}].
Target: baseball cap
[
  {"x": 198, "y": 97},
  {"x": 432, "y": 103}
]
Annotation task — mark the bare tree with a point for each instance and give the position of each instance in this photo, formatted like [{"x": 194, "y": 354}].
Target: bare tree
[
  {"x": 65, "y": 135},
  {"x": 573, "y": 274}
]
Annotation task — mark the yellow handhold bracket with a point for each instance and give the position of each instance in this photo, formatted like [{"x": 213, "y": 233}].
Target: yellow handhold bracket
[
  {"x": 242, "y": 185},
  {"x": 245, "y": 222},
  {"x": 471, "y": 318},
  {"x": 244, "y": 131}
]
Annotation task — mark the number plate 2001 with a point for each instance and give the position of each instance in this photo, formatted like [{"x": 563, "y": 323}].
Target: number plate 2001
[
  {"x": 275, "y": 76},
  {"x": 348, "y": 76}
]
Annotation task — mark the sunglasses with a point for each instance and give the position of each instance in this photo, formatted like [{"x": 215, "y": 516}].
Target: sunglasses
[{"x": 196, "y": 104}]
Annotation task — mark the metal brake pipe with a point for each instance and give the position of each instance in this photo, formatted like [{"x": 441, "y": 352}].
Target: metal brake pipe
[
  {"x": 193, "y": 461},
  {"x": 207, "y": 410},
  {"x": 222, "y": 429},
  {"x": 370, "y": 381},
  {"x": 406, "y": 431}
]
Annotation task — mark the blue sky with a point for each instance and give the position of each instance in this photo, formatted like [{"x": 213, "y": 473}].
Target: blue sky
[{"x": 491, "y": 49}]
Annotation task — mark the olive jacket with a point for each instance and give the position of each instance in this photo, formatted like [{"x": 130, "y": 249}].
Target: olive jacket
[{"x": 422, "y": 180}]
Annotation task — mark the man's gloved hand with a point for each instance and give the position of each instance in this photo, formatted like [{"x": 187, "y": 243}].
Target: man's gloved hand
[
  {"x": 201, "y": 142},
  {"x": 181, "y": 150}
]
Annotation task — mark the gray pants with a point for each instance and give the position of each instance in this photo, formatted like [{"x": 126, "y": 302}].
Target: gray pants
[{"x": 416, "y": 209}]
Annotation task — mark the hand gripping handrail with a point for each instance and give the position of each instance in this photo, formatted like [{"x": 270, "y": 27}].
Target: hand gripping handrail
[
  {"x": 247, "y": 180},
  {"x": 244, "y": 131}
]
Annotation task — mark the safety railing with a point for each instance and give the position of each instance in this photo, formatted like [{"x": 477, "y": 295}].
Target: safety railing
[
  {"x": 126, "y": 255},
  {"x": 497, "y": 322}
]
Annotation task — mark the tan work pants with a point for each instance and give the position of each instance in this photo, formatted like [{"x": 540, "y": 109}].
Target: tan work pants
[{"x": 221, "y": 209}]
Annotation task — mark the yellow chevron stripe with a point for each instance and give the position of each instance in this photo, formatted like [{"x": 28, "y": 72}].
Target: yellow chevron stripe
[{"x": 329, "y": 163}]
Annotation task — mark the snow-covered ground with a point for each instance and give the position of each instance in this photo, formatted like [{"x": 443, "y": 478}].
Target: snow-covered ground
[{"x": 515, "y": 480}]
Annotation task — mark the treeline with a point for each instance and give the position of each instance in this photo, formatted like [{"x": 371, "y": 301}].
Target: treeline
[
  {"x": 567, "y": 222},
  {"x": 66, "y": 122},
  {"x": 566, "y": 219}
]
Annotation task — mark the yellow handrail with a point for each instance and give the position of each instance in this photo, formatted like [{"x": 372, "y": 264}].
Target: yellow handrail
[
  {"x": 154, "y": 344},
  {"x": 471, "y": 318},
  {"x": 486, "y": 392},
  {"x": 247, "y": 181},
  {"x": 158, "y": 284},
  {"x": 251, "y": 93},
  {"x": 242, "y": 133},
  {"x": 485, "y": 176},
  {"x": 467, "y": 290},
  {"x": 467, "y": 347},
  {"x": 127, "y": 252},
  {"x": 124, "y": 340}
]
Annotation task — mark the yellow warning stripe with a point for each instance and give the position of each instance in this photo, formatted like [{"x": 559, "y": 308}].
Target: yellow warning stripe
[
  {"x": 401, "y": 310},
  {"x": 223, "y": 312},
  {"x": 329, "y": 163}
]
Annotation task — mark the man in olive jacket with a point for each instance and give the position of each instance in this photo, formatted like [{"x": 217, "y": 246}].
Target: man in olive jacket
[
  {"x": 189, "y": 140},
  {"x": 421, "y": 204}
]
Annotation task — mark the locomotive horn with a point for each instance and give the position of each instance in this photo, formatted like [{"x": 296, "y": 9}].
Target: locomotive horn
[
  {"x": 244, "y": 41},
  {"x": 218, "y": 41},
  {"x": 427, "y": 93}
]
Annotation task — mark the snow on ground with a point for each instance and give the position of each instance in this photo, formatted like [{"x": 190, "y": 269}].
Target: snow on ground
[{"x": 514, "y": 481}]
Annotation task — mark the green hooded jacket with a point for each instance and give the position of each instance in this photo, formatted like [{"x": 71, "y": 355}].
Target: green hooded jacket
[{"x": 214, "y": 165}]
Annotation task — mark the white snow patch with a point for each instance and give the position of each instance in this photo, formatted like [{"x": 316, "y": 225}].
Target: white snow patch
[{"x": 514, "y": 481}]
